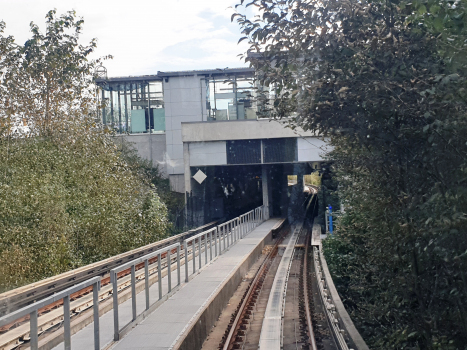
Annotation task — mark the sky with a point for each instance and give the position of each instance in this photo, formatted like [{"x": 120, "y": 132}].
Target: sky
[{"x": 143, "y": 36}]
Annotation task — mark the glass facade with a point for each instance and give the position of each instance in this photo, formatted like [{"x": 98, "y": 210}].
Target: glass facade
[
  {"x": 133, "y": 106},
  {"x": 230, "y": 98}
]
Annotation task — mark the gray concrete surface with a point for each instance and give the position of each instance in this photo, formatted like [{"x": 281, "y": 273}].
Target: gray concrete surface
[
  {"x": 271, "y": 331},
  {"x": 177, "y": 318},
  {"x": 238, "y": 130},
  {"x": 150, "y": 147}
]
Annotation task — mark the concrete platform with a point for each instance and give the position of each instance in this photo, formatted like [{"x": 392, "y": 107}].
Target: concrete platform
[{"x": 184, "y": 320}]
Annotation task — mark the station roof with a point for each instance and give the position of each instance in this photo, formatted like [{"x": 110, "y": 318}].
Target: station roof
[{"x": 245, "y": 71}]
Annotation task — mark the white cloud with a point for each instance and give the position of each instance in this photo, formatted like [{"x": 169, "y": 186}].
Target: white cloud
[{"x": 143, "y": 36}]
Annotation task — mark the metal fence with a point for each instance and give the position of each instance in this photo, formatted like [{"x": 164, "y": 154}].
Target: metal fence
[
  {"x": 32, "y": 309},
  {"x": 216, "y": 240},
  {"x": 196, "y": 244},
  {"x": 132, "y": 265},
  {"x": 220, "y": 238}
]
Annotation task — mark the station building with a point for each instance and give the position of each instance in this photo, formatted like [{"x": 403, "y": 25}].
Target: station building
[{"x": 201, "y": 128}]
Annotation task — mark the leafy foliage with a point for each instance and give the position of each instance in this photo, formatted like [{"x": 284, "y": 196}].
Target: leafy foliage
[
  {"x": 386, "y": 80},
  {"x": 68, "y": 196}
]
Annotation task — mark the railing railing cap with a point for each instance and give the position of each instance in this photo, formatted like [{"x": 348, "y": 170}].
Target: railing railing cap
[
  {"x": 47, "y": 301},
  {"x": 143, "y": 258}
]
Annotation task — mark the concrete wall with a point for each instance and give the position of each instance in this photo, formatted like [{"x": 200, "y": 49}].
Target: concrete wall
[
  {"x": 177, "y": 183},
  {"x": 208, "y": 153},
  {"x": 311, "y": 149},
  {"x": 183, "y": 101},
  {"x": 238, "y": 130},
  {"x": 149, "y": 146}
]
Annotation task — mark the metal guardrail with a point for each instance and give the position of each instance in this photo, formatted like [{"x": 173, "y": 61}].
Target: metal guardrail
[
  {"x": 199, "y": 237},
  {"x": 221, "y": 237},
  {"x": 227, "y": 233},
  {"x": 65, "y": 295},
  {"x": 132, "y": 265},
  {"x": 17, "y": 298}
]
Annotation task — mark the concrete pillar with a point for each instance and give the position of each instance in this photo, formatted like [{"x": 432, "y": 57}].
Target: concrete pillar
[
  {"x": 186, "y": 163},
  {"x": 266, "y": 185}
]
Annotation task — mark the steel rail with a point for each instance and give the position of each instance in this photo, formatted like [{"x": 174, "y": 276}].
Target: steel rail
[
  {"x": 329, "y": 307},
  {"x": 311, "y": 334},
  {"x": 229, "y": 342}
]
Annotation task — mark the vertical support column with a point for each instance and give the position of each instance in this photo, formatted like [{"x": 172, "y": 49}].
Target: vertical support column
[
  {"x": 34, "y": 338},
  {"x": 159, "y": 275},
  {"x": 185, "y": 246},
  {"x": 119, "y": 111},
  {"x": 186, "y": 162},
  {"x": 66, "y": 322},
  {"x": 215, "y": 241},
  {"x": 205, "y": 248},
  {"x": 95, "y": 298},
  {"x": 169, "y": 271},
  {"x": 146, "y": 282},
  {"x": 178, "y": 267},
  {"x": 125, "y": 97},
  {"x": 112, "y": 119},
  {"x": 193, "y": 252},
  {"x": 210, "y": 245},
  {"x": 104, "y": 117},
  {"x": 133, "y": 292},
  {"x": 199, "y": 251},
  {"x": 113, "y": 280},
  {"x": 265, "y": 185}
]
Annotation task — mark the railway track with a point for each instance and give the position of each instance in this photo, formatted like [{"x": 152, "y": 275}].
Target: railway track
[{"x": 287, "y": 313}]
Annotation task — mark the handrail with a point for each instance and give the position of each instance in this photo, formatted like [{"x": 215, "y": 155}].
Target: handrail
[
  {"x": 227, "y": 233},
  {"x": 221, "y": 237},
  {"x": 199, "y": 237},
  {"x": 15, "y": 299},
  {"x": 132, "y": 264},
  {"x": 65, "y": 295}
]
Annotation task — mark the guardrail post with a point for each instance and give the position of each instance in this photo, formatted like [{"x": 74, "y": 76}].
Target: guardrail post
[
  {"x": 178, "y": 267},
  {"x": 199, "y": 252},
  {"x": 133, "y": 292},
  {"x": 169, "y": 271},
  {"x": 243, "y": 226},
  {"x": 146, "y": 282},
  {"x": 210, "y": 245},
  {"x": 205, "y": 248},
  {"x": 193, "y": 252},
  {"x": 113, "y": 280},
  {"x": 95, "y": 298},
  {"x": 66, "y": 322},
  {"x": 223, "y": 237},
  {"x": 215, "y": 242},
  {"x": 159, "y": 274},
  {"x": 231, "y": 232},
  {"x": 34, "y": 338},
  {"x": 186, "y": 261}
]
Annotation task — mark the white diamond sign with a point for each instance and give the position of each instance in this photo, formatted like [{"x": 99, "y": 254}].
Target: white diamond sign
[{"x": 200, "y": 177}]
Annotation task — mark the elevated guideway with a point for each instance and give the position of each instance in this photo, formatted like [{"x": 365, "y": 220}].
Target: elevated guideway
[{"x": 187, "y": 316}]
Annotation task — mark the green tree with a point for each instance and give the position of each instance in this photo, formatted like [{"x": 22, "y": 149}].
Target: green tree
[
  {"x": 386, "y": 81},
  {"x": 68, "y": 196}
]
